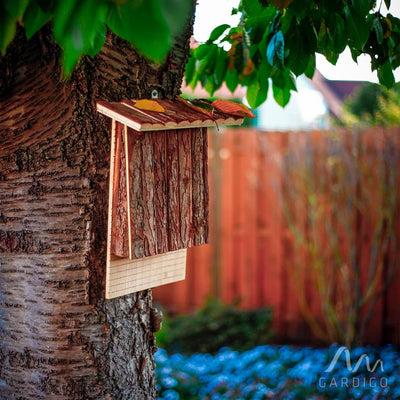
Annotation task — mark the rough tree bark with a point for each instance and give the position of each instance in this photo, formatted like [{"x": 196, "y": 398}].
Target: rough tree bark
[{"x": 58, "y": 338}]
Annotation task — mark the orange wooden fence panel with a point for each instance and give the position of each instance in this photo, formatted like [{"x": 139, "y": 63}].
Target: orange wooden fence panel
[{"x": 275, "y": 195}]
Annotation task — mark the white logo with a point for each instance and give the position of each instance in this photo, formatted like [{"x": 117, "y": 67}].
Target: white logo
[{"x": 349, "y": 367}]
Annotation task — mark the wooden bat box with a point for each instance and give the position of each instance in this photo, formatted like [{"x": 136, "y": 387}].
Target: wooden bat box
[{"x": 158, "y": 190}]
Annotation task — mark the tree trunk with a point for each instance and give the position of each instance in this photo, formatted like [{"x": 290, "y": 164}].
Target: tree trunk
[{"x": 58, "y": 338}]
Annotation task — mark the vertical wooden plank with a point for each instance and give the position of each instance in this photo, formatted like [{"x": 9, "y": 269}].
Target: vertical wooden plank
[
  {"x": 185, "y": 187},
  {"x": 160, "y": 190},
  {"x": 374, "y": 214},
  {"x": 111, "y": 188},
  {"x": 119, "y": 209},
  {"x": 269, "y": 229},
  {"x": 148, "y": 181},
  {"x": 172, "y": 173},
  {"x": 228, "y": 277},
  {"x": 252, "y": 185},
  {"x": 214, "y": 266},
  {"x": 135, "y": 190},
  {"x": 199, "y": 186}
]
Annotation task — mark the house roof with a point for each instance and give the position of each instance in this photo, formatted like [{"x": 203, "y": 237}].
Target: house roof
[{"x": 334, "y": 92}]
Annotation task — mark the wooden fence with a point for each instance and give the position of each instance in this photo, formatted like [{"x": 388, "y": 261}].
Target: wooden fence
[{"x": 307, "y": 223}]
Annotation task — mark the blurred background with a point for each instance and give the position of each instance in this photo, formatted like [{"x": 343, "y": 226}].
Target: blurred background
[{"x": 304, "y": 209}]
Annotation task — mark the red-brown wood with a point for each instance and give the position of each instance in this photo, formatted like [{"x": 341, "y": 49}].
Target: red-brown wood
[
  {"x": 136, "y": 177},
  {"x": 172, "y": 114},
  {"x": 166, "y": 199},
  {"x": 173, "y": 183},
  {"x": 160, "y": 182},
  {"x": 261, "y": 273},
  {"x": 119, "y": 229}
]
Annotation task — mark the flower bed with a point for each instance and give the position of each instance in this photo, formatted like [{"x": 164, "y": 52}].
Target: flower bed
[{"x": 280, "y": 372}]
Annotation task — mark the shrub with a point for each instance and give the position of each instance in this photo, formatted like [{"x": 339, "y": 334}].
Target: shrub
[{"x": 214, "y": 326}]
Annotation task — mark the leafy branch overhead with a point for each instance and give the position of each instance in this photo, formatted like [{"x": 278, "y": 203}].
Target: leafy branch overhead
[
  {"x": 276, "y": 41},
  {"x": 80, "y": 25}
]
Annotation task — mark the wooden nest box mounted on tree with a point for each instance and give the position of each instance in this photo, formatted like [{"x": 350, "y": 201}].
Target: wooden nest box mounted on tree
[{"x": 158, "y": 193}]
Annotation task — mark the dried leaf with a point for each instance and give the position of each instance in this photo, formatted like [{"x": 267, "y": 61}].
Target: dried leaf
[
  {"x": 201, "y": 105},
  {"x": 249, "y": 68},
  {"x": 230, "y": 107},
  {"x": 149, "y": 105}
]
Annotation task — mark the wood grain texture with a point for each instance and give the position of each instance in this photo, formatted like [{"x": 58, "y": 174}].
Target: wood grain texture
[
  {"x": 200, "y": 186},
  {"x": 160, "y": 191},
  {"x": 174, "y": 216},
  {"x": 119, "y": 216},
  {"x": 135, "y": 188},
  {"x": 167, "y": 191},
  {"x": 185, "y": 188},
  {"x": 130, "y": 276}
]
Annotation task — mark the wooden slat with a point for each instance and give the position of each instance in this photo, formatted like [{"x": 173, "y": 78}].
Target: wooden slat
[
  {"x": 160, "y": 190},
  {"x": 185, "y": 187},
  {"x": 130, "y": 276},
  {"x": 119, "y": 228},
  {"x": 135, "y": 194},
  {"x": 148, "y": 184},
  {"x": 200, "y": 186},
  {"x": 172, "y": 171}
]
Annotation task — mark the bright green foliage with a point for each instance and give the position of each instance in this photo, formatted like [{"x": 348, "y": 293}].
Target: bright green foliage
[
  {"x": 80, "y": 25},
  {"x": 373, "y": 105},
  {"x": 273, "y": 45}
]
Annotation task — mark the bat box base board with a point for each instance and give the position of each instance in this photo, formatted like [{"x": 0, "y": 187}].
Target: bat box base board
[{"x": 125, "y": 276}]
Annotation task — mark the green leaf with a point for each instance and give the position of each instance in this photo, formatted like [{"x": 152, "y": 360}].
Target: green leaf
[
  {"x": 202, "y": 51},
  {"x": 76, "y": 28},
  {"x": 257, "y": 93},
  {"x": 176, "y": 14},
  {"x": 15, "y": 8},
  {"x": 309, "y": 72},
  {"x": 142, "y": 23},
  {"x": 47, "y": 5},
  {"x": 378, "y": 30},
  {"x": 362, "y": 7},
  {"x": 207, "y": 64},
  {"x": 8, "y": 26},
  {"x": 217, "y": 32},
  {"x": 337, "y": 29},
  {"x": 281, "y": 96},
  {"x": 298, "y": 52},
  {"x": 232, "y": 80},
  {"x": 264, "y": 71},
  {"x": 34, "y": 18},
  {"x": 99, "y": 39},
  {"x": 357, "y": 28},
  {"x": 387, "y": 3},
  {"x": 252, "y": 7},
  {"x": 385, "y": 75},
  {"x": 276, "y": 50},
  {"x": 221, "y": 66}
]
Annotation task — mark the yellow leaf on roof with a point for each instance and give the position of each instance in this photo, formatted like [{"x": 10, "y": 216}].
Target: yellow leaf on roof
[{"x": 149, "y": 105}]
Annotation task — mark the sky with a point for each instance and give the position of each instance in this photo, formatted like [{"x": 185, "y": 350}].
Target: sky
[{"x": 211, "y": 13}]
